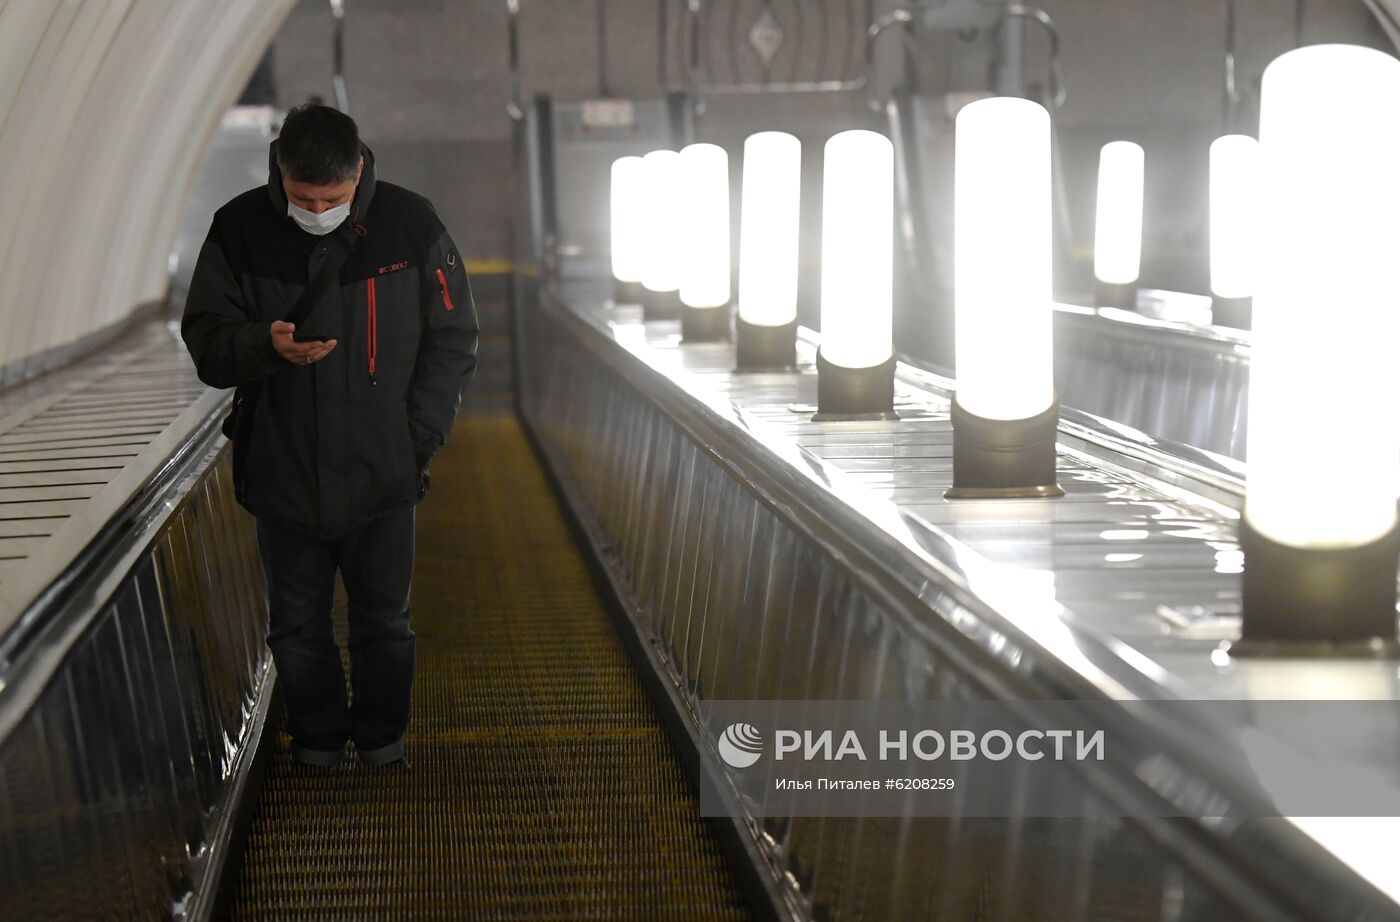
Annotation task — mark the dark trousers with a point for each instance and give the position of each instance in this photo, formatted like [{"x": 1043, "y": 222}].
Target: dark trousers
[{"x": 376, "y": 564}]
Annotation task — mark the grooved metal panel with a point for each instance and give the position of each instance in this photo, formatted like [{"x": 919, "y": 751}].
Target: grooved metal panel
[
  {"x": 542, "y": 783},
  {"x": 1170, "y": 379},
  {"x": 133, "y": 677},
  {"x": 120, "y": 766},
  {"x": 767, "y": 556},
  {"x": 73, "y": 451}
]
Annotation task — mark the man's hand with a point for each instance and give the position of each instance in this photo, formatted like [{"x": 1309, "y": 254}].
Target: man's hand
[{"x": 294, "y": 352}]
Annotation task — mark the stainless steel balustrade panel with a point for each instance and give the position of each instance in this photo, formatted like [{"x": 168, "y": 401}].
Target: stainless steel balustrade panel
[
  {"x": 1176, "y": 381},
  {"x": 766, "y": 556},
  {"x": 75, "y": 444},
  {"x": 131, "y": 699},
  {"x": 114, "y": 784}
]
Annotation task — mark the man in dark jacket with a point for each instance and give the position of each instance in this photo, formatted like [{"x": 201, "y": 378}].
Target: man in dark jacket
[{"x": 346, "y": 407}]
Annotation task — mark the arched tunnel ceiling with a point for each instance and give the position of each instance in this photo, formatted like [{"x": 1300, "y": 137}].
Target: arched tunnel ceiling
[{"x": 106, "y": 109}]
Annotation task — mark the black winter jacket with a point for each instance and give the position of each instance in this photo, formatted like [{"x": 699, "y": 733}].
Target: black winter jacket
[{"x": 346, "y": 439}]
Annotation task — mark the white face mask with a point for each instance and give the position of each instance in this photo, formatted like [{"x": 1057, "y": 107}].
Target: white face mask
[{"x": 319, "y": 224}]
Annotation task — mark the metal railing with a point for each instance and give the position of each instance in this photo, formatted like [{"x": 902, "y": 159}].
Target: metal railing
[
  {"x": 752, "y": 568},
  {"x": 342, "y": 97},
  {"x": 1056, "y": 76},
  {"x": 135, "y": 684}
]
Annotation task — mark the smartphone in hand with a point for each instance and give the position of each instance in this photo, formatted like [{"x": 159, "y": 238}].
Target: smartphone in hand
[{"x": 299, "y": 337}]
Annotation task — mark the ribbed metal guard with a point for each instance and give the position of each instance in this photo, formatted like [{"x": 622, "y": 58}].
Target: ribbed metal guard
[
  {"x": 132, "y": 670},
  {"x": 725, "y": 518},
  {"x": 65, "y": 441},
  {"x": 542, "y": 783},
  {"x": 1189, "y": 384}
]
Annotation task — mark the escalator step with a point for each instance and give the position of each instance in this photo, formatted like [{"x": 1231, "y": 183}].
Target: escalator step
[{"x": 542, "y": 784}]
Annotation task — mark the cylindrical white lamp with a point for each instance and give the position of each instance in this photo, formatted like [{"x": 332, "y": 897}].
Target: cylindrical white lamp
[
  {"x": 704, "y": 287},
  {"x": 1319, "y": 530},
  {"x": 627, "y": 197},
  {"x": 769, "y": 206},
  {"x": 1118, "y": 224},
  {"x": 661, "y": 273},
  {"x": 855, "y": 364},
  {"x": 1005, "y": 413},
  {"x": 1234, "y": 233}
]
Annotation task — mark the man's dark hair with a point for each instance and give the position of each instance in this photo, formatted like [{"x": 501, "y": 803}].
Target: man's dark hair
[{"x": 318, "y": 145}]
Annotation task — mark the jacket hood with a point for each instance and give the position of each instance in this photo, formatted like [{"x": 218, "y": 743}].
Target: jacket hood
[{"x": 359, "y": 203}]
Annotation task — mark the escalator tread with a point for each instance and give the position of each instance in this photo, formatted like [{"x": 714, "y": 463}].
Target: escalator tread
[{"x": 542, "y": 782}]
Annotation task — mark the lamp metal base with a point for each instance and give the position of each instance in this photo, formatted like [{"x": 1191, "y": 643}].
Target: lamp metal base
[
  {"x": 1318, "y": 602},
  {"x": 660, "y": 305},
  {"x": 1004, "y": 458},
  {"x": 1232, "y": 312},
  {"x": 888, "y": 416},
  {"x": 1042, "y": 492},
  {"x": 854, "y": 393},
  {"x": 1376, "y": 648},
  {"x": 1112, "y": 294},
  {"x": 758, "y": 347},
  {"x": 705, "y": 324},
  {"x": 627, "y": 292}
]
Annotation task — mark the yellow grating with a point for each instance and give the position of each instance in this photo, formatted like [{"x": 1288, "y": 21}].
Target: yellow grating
[{"x": 542, "y": 783}]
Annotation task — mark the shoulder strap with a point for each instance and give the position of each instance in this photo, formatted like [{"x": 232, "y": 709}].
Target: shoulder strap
[{"x": 320, "y": 282}]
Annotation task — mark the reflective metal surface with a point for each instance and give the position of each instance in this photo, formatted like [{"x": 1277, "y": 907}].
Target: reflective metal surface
[
  {"x": 1162, "y": 369},
  {"x": 135, "y": 684},
  {"x": 73, "y": 455},
  {"x": 1178, "y": 380},
  {"x": 766, "y": 556},
  {"x": 1055, "y": 76}
]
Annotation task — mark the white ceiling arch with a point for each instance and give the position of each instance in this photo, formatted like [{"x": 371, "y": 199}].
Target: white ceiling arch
[{"x": 106, "y": 109}]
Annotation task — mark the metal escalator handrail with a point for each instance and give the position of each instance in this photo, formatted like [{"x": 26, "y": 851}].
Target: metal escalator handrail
[
  {"x": 1387, "y": 13},
  {"x": 513, "y": 103},
  {"x": 1008, "y": 651},
  {"x": 923, "y": 587},
  {"x": 1216, "y": 476},
  {"x": 796, "y": 487},
  {"x": 1057, "y": 83},
  {"x": 342, "y": 98},
  {"x": 1194, "y": 469},
  {"x": 1219, "y": 340},
  {"x": 690, "y": 59},
  {"x": 1232, "y": 93},
  {"x": 900, "y": 16},
  {"x": 913, "y": 222},
  {"x": 46, "y": 611}
]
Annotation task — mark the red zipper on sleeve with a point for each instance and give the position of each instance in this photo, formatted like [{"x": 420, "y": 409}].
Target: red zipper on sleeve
[
  {"x": 372, "y": 339},
  {"x": 446, "y": 298}
]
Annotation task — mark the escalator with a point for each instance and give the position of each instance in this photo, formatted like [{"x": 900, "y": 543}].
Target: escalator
[{"x": 542, "y": 783}]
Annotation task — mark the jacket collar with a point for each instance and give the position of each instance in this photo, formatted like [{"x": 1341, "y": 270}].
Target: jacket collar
[{"x": 359, "y": 203}]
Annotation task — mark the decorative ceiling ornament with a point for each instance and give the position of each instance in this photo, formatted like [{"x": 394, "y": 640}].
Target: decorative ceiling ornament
[{"x": 766, "y": 37}]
